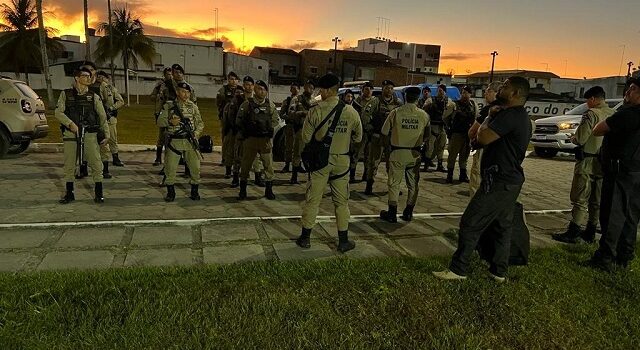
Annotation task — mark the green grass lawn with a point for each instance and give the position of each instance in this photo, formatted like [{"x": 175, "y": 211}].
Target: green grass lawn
[
  {"x": 387, "y": 303},
  {"x": 136, "y": 123}
]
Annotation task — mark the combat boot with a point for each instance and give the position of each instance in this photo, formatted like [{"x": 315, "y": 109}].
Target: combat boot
[
  {"x": 572, "y": 235},
  {"x": 463, "y": 176},
  {"x": 285, "y": 169},
  {"x": 344, "y": 244},
  {"x": 589, "y": 234},
  {"x": 304, "y": 240},
  {"x": 390, "y": 215},
  {"x": 440, "y": 167},
  {"x": 407, "y": 213},
  {"x": 294, "y": 177},
  {"x": 352, "y": 176},
  {"x": 171, "y": 193},
  {"x": 227, "y": 172},
  {"x": 99, "y": 197},
  {"x": 105, "y": 170},
  {"x": 243, "y": 190},
  {"x": 364, "y": 175},
  {"x": 158, "y": 160},
  {"x": 68, "y": 196},
  {"x": 426, "y": 165},
  {"x": 116, "y": 160},
  {"x": 194, "y": 193},
  {"x": 258, "y": 180},
  {"x": 369, "y": 189},
  {"x": 449, "y": 176},
  {"x": 235, "y": 182},
  {"x": 268, "y": 191}
]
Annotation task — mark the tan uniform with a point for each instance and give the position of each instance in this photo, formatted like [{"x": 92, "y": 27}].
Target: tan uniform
[
  {"x": 257, "y": 134},
  {"x": 406, "y": 126},
  {"x": 360, "y": 150},
  {"x": 91, "y": 146},
  {"x": 239, "y": 147},
  {"x": 374, "y": 116},
  {"x": 438, "y": 111},
  {"x": 349, "y": 129},
  {"x": 289, "y": 134},
  {"x": 223, "y": 98},
  {"x": 587, "y": 174},
  {"x": 179, "y": 145},
  {"x": 112, "y": 101},
  {"x": 459, "y": 144},
  {"x": 162, "y": 93},
  {"x": 229, "y": 131},
  {"x": 298, "y": 111}
]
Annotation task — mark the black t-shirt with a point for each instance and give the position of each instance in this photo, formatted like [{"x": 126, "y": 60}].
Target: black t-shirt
[
  {"x": 623, "y": 125},
  {"x": 514, "y": 128},
  {"x": 484, "y": 111}
]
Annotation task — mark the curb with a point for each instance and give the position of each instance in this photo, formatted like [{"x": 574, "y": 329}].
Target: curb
[{"x": 58, "y": 148}]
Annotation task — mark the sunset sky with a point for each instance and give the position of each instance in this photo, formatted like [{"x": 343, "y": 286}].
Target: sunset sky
[{"x": 586, "y": 35}]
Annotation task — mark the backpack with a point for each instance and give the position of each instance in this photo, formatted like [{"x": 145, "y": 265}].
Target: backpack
[
  {"x": 315, "y": 154},
  {"x": 206, "y": 144}
]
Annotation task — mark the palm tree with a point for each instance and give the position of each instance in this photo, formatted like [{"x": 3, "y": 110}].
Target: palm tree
[
  {"x": 87, "y": 43},
  {"x": 129, "y": 41},
  {"x": 20, "y": 42},
  {"x": 42, "y": 39}
]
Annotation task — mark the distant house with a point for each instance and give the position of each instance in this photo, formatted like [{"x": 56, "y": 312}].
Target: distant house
[
  {"x": 284, "y": 64},
  {"x": 537, "y": 79}
]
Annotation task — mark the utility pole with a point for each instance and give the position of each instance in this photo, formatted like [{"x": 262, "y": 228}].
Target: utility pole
[
  {"x": 518, "y": 59},
  {"x": 43, "y": 51},
  {"x": 87, "y": 44},
  {"x": 493, "y": 62},
  {"x": 335, "y": 40},
  {"x": 215, "y": 30},
  {"x": 111, "y": 65},
  {"x": 629, "y": 65}
]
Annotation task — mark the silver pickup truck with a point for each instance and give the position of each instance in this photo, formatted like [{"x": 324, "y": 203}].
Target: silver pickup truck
[{"x": 553, "y": 134}]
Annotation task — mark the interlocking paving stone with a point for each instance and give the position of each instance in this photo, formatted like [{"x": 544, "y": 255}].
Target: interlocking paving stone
[
  {"x": 16, "y": 238},
  {"x": 77, "y": 259},
  {"x": 161, "y": 235},
  {"x": 425, "y": 246},
  {"x": 233, "y": 254},
  {"x": 229, "y": 232},
  {"x": 91, "y": 237},
  {"x": 10, "y": 262},
  {"x": 159, "y": 257},
  {"x": 290, "y": 251}
]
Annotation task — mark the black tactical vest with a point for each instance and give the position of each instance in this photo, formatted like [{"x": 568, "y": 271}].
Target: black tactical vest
[
  {"x": 259, "y": 122},
  {"x": 81, "y": 109},
  {"x": 628, "y": 160},
  {"x": 464, "y": 117},
  {"x": 381, "y": 114},
  {"x": 436, "y": 110}
]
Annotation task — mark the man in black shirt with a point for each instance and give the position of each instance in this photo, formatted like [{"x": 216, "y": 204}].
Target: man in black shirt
[
  {"x": 620, "y": 199},
  {"x": 505, "y": 137}
]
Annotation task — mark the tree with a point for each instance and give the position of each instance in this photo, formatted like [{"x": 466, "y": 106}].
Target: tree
[
  {"x": 87, "y": 43},
  {"x": 129, "y": 41},
  {"x": 42, "y": 39},
  {"x": 20, "y": 42}
]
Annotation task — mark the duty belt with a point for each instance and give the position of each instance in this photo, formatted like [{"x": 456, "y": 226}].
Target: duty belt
[{"x": 415, "y": 148}]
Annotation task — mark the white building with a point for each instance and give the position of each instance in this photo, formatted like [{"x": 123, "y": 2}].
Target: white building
[
  {"x": 413, "y": 56},
  {"x": 613, "y": 86}
]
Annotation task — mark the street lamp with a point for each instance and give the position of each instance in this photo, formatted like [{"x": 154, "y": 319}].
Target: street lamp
[
  {"x": 493, "y": 61},
  {"x": 335, "y": 40}
]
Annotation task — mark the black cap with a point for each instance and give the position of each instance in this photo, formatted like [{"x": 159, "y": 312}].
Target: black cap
[
  {"x": 388, "y": 82},
  {"x": 168, "y": 69},
  {"x": 77, "y": 72},
  {"x": 232, "y": 74},
  {"x": 443, "y": 87},
  {"x": 467, "y": 88},
  {"x": 635, "y": 81},
  {"x": 176, "y": 66},
  {"x": 412, "y": 90},
  {"x": 596, "y": 91},
  {"x": 310, "y": 82},
  {"x": 103, "y": 73},
  {"x": 426, "y": 88},
  {"x": 328, "y": 81},
  {"x": 248, "y": 79},
  {"x": 295, "y": 83},
  {"x": 89, "y": 64},
  {"x": 348, "y": 91},
  {"x": 185, "y": 86},
  {"x": 263, "y": 84},
  {"x": 368, "y": 84}
]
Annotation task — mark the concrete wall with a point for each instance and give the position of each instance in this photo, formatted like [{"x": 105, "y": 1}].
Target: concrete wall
[
  {"x": 246, "y": 65},
  {"x": 613, "y": 86}
]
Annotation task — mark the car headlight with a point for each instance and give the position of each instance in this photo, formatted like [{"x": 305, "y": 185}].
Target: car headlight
[{"x": 568, "y": 126}]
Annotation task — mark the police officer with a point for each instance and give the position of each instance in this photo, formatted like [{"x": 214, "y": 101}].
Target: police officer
[
  {"x": 374, "y": 116},
  {"x": 178, "y": 77},
  {"x": 112, "y": 101},
  {"x": 257, "y": 118},
  {"x": 407, "y": 125},
  {"x": 348, "y": 128},
  {"x": 94, "y": 87},
  {"x": 505, "y": 137},
  {"x": 440, "y": 108},
  {"x": 587, "y": 173},
  {"x": 425, "y": 99},
  {"x": 230, "y": 131},
  {"x": 347, "y": 98},
  {"x": 289, "y": 134},
  {"x": 459, "y": 124},
  {"x": 160, "y": 95},
  {"x": 184, "y": 125},
  {"x": 298, "y": 112},
  {"x": 620, "y": 201},
  {"x": 361, "y": 147},
  {"x": 224, "y": 96},
  {"x": 490, "y": 94},
  {"x": 248, "y": 86},
  {"x": 81, "y": 114}
]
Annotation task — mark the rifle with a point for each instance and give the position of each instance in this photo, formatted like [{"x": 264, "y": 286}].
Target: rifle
[
  {"x": 80, "y": 147},
  {"x": 187, "y": 128}
]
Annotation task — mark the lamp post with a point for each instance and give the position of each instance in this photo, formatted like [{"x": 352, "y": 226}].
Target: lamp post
[
  {"x": 113, "y": 68},
  {"x": 335, "y": 40},
  {"x": 493, "y": 62}
]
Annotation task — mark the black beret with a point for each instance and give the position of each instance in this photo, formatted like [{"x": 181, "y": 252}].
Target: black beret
[
  {"x": 310, "y": 82},
  {"x": 328, "y": 81},
  {"x": 426, "y": 88},
  {"x": 368, "y": 84},
  {"x": 248, "y": 79},
  {"x": 412, "y": 90},
  {"x": 263, "y": 84},
  {"x": 168, "y": 69},
  {"x": 103, "y": 73},
  {"x": 232, "y": 74},
  {"x": 595, "y": 91},
  {"x": 388, "y": 82},
  {"x": 443, "y": 87},
  {"x": 295, "y": 83},
  {"x": 177, "y": 67},
  {"x": 89, "y": 64},
  {"x": 635, "y": 81},
  {"x": 77, "y": 72},
  {"x": 348, "y": 91},
  {"x": 185, "y": 86},
  {"x": 467, "y": 88}
]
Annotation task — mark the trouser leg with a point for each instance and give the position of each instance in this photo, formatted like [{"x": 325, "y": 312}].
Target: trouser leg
[
  {"x": 92, "y": 155},
  {"x": 412, "y": 177},
  {"x": 228, "y": 145},
  {"x": 171, "y": 160},
  {"x": 455, "y": 146},
  {"x": 375, "y": 155},
  {"x": 340, "y": 192},
  {"x": 192, "y": 160},
  {"x": 289, "y": 136},
  {"x": 580, "y": 195},
  {"x": 474, "y": 177},
  {"x": 113, "y": 135},
  {"x": 313, "y": 196},
  {"x": 70, "y": 159},
  {"x": 594, "y": 200},
  {"x": 249, "y": 152},
  {"x": 396, "y": 172},
  {"x": 298, "y": 145}
]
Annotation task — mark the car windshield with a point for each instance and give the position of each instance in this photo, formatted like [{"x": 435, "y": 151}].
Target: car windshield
[
  {"x": 27, "y": 91},
  {"x": 579, "y": 110}
]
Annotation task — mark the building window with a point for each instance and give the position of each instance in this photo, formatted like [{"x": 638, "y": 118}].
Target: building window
[
  {"x": 313, "y": 70},
  {"x": 289, "y": 70},
  {"x": 407, "y": 55}
]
